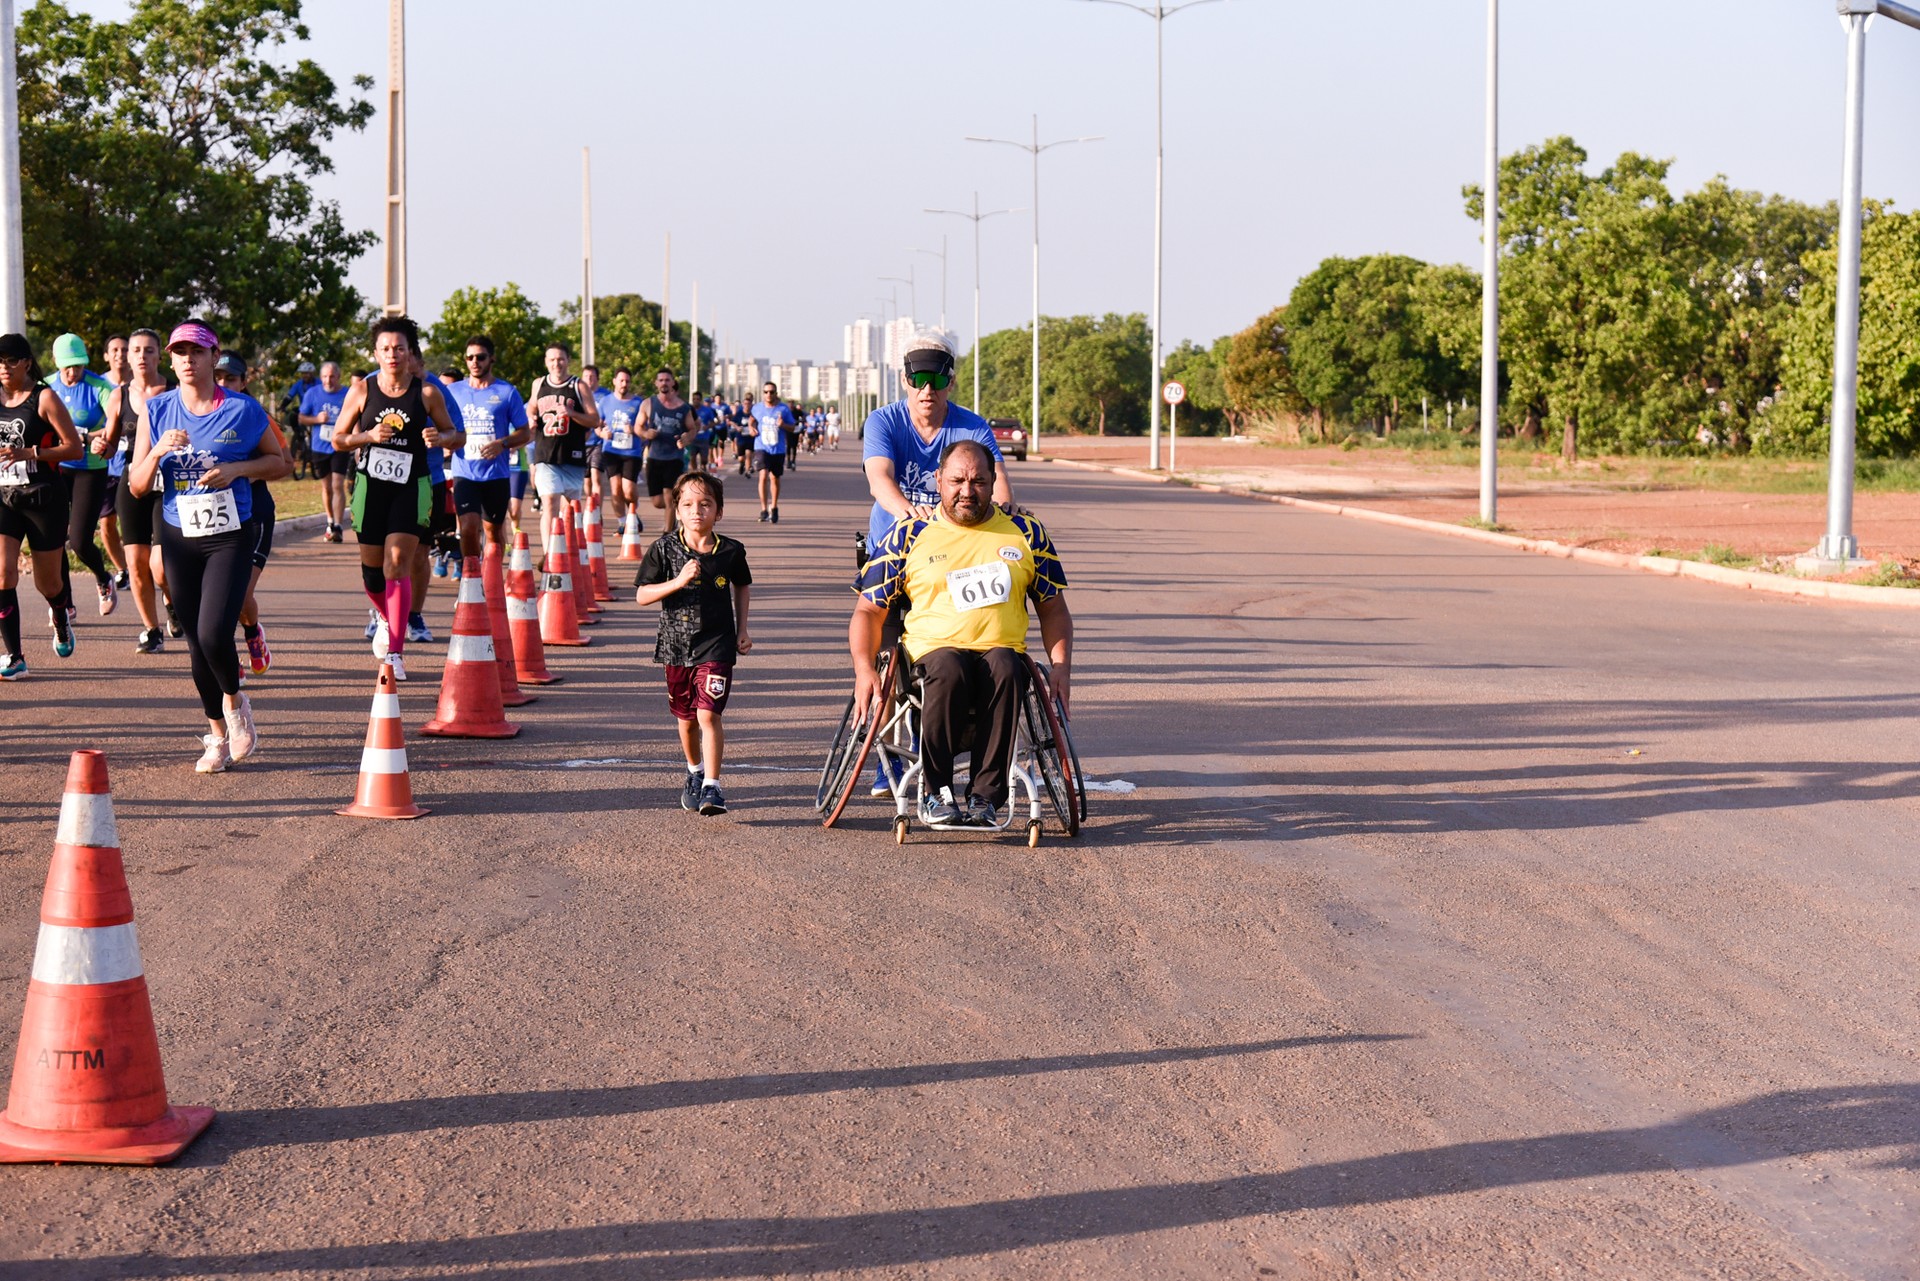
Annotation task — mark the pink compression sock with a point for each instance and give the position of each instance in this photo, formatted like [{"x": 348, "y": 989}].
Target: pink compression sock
[{"x": 399, "y": 604}]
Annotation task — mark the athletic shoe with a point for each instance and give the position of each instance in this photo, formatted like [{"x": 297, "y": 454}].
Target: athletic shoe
[
  {"x": 243, "y": 680},
  {"x": 109, "y": 597},
  {"x": 378, "y": 630},
  {"x": 881, "y": 787},
  {"x": 711, "y": 800},
  {"x": 417, "y": 630},
  {"x": 690, "y": 794},
  {"x": 940, "y": 810},
  {"x": 241, "y": 737},
  {"x": 173, "y": 623},
  {"x": 763, "y": 515},
  {"x": 374, "y": 624},
  {"x": 981, "y": 813},
  {"x": 151, "y": 641},
  {"x": 453, "y": 568},
  {"x": 216, "y": 758},
  {"x": 123, "y": 580},
  {"x": 13, "y": 668},
  {"x": 64, "y": 637},
  {"x": 398, "y": 664},
  {"x": 333, "y": 533},
  {"x": 439, "y": 566},
  {"x": 776, "y": 515},
  {"x": 259, "y": 657}
]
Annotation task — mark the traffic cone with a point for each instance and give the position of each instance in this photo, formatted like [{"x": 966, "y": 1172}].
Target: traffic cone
[
  {"x": 631, "y": 548},
  {"x": 523, "y": 617},
  {"x": 87, "y": 1082},
  {"x": 559, "y": 612},
  {"x": 493, "y": 580},
  {"x": 582, "y": 571},
  {"x": 386, "y": 789},
  {"x": 470, "y": 687},
  {"x": 597, "y": 554}
]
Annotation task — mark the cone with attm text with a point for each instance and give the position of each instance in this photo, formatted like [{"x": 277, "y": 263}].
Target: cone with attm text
[
  {"x": 386, "y": 788},
  {"x": 523, "y": 617},
  {"x": 631, "y": 548},
  {"x": 470, "y": 688},
  {"x": 582, "y": 570},
  {"x": 87, "y": 1082},
  {"x": 493, "y": 578},
  {"x": 559, "y": 611},
  {"x": 597, "y": 554}
]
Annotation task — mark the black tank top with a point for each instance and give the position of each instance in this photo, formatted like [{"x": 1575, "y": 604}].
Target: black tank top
[
  {"x": 559, "y": 440},
  {"x": 23, "y": 427},
  {"x": 407, "y": 415},
  {"x": 129, "y": 419},
  {"x": 671, "y": 424}
]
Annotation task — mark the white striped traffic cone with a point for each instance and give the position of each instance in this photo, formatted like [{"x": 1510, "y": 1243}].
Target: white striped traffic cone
[
  {"x": 386, "y": 789},
  {"x": 470, "y": 687}
]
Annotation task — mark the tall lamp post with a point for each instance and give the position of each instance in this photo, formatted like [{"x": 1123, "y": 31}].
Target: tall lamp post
[
  {"x": 1159, "y": 13},
  {"x": 1839, "y": 547},
  {"x": 13, "y": 256},
  {"x": 1490, "y": 284},
  {"x": 1035, "y": 148},
  {"x": 395, "y": 301},
  {"x": 942, "y": 256},
  {"x": 976, "y": 216}
]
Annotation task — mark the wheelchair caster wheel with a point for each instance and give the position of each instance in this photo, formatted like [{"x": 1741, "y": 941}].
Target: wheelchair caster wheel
[
  {"x": 1033, "y": 834},
  {"x": 899, "y": 831}
]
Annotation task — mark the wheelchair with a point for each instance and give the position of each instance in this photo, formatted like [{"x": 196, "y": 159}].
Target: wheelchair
[{"x": 1044, "y": 769}]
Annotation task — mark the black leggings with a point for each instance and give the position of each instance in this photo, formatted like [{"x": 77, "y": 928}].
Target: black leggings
[
  {"x": 86, "y": 491},
  {"x": 208, "y": 580}
]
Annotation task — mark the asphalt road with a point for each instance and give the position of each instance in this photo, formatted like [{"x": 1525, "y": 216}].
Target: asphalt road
[{"x": 1475, "y": 915}]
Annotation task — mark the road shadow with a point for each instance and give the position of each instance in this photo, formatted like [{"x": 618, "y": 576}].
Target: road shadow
[{"x": 1769, "y": 1127}]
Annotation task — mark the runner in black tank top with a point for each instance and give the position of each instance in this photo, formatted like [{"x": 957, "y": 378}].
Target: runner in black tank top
[
  {"x": 36, "y": 433},
  {"x": 393, "y": 491},
  {"x": 563, "y": 417}
]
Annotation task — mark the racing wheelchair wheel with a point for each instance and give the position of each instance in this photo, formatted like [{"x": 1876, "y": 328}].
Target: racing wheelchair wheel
[
  {"x": 867, "y": 729},
  {"x": 1046, "y": 734},
  {"x": 833, "y": 770}
]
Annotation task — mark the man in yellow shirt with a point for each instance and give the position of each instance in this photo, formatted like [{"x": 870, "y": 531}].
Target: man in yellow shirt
[{"x": 966, "y": 575}]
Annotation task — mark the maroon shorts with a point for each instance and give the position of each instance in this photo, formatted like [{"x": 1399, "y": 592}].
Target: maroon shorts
[{"x": 691, "y": 689}]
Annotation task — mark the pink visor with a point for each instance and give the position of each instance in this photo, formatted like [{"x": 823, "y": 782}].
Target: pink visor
[{"x": 195, "y": 333}]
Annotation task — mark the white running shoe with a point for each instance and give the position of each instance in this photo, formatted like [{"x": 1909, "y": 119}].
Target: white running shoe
[
  {"x": 398, "y": 664},
  {"x": 379, "y": 634},
  {"x": 242, "y": 738},
  {"x": 216, "y": 758}
]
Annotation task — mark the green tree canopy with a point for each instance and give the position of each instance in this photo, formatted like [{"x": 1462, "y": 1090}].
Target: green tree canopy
[
  {"x": 519, "y": 330},
  {"x": 166, "y": 170}
]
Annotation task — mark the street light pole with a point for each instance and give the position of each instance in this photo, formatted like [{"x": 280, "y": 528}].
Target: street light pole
[
  {"x": 1159, "y": 13},
  {"x": 586, "y": 256},
  {"x": 13, "y": 256},
  {"x": 976, "y": 216},
  {"x": 1035, "y": 147},
  {"x": 1490, "y": 284},
  {"x": 395, "y": 301}
]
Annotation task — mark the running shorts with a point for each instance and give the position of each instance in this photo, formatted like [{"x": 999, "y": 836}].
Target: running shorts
[
  {"x": 693, "y": 689},
  {"x": 661, "y": 473},
  {"x": 37, "y": 517},
  {"x": 341, "y": 463},
  {"x": 517, "y": 484},
  {"x": 263, "y": 521},
  {"x": 772, "y": 464},
  {"x": 487, "y": 497},
  {"x": 381, "y": 510},
  {"x": 137, "y": 515},
  {"x": 594, "y": 455},
  {"x": 440, "y": 521}
]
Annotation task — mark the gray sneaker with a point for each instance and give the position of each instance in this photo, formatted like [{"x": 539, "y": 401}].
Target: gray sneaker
[
  {"x": 690, "y": 794},
  {"x": 712, "y": 801},
  {"x": 981, "y": 813},
  {"x": 940, "y": 809}
]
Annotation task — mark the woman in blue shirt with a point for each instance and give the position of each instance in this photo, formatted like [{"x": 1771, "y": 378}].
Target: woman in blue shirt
[{"x": 195, "y": 445}]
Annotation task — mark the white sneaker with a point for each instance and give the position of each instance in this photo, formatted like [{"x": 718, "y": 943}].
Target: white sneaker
[
  {"x": 379, "y": 626},
  {"x": 216, "y": 758},
  {"x": 398, "y": 664},
  {"x": 242, "y": 738}
]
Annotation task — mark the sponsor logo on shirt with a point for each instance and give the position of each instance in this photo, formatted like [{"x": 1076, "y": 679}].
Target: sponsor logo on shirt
[{"x": 1010, "y": 554}]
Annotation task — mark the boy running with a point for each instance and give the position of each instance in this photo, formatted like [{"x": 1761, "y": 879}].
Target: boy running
[{"x": 701, "y": 580}]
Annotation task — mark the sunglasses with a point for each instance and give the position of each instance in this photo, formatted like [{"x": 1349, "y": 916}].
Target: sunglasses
[
  {"x": 480, "y": 356},
  {"x": 927, "y": 378}
]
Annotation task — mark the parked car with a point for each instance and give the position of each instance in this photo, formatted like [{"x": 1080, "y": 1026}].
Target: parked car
[{"x": 1012, "y": 437}]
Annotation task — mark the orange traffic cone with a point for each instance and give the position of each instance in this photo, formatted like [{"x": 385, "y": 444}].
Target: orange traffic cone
[
  {"x": 523, "y": 617},
  {"x": 631, "y": 547},
  {"x": 493, "y": 579},
  {"x": 386, "y": 789},
  {"x": 597, "y": 554},
  {"x": 582, "y": 571},
  {"x": 559, "y": 612},
  {"x": 470, "y": 687},
  {"x": 87, "y": 1083}
]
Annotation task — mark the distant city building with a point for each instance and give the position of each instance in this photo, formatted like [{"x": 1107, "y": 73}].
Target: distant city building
[
  {"x": 860, "y": 344},
  {"x": 830, "y": 381},
  {"x": 792, "y": 379}
]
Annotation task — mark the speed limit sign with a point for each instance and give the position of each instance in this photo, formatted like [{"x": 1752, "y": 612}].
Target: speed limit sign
[{"x": 1174, "y": 392}]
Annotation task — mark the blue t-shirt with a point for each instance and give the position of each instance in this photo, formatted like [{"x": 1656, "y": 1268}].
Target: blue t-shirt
[
  {"x": 436, "y": 454},
  {"x": 229, "y": 434},
  {"x": 769, "y": 422},
  {"x": 316, "y": 399},
  {"x": 619, "y": 416},
  {"x": 916, "y": 463},
  {"x": 86, "y": 403},
  {"x": 489, "y": 413},
  {"x": 709, "y": 416}
]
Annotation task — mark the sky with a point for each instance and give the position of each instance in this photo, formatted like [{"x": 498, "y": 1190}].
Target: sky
[{"x": 791, "y": 147}]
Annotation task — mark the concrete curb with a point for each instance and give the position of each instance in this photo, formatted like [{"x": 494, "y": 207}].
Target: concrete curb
[{"x": 1751, "y": 580}]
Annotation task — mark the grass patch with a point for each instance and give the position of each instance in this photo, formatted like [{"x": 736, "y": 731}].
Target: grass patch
[
  {"x": 1721, "y": 554},
  {"x": 1491, "y": 526},
  {"x": 1888, "y": 573}
]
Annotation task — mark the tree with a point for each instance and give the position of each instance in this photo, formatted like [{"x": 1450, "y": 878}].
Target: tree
[
  {"x": 1096, "y": 369},
  {"x": 1888, "y": 415},
  {"x": 520, "y": 332},
  {"x": 1197, "y": 369},
  {"x": 166, "y": 164},
  {"x": 1358, "y": 346},
  {"x": 626, "y": 331},
  {"x": 1257, "y": 373}
]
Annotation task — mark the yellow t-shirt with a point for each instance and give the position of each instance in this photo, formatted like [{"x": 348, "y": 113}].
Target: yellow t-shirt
[{"x": 967, "y": 586}]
